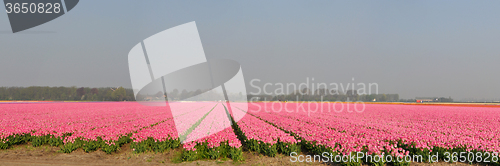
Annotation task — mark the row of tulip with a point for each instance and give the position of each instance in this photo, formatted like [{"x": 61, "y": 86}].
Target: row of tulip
[
  {"x": 222, "y": 144},
  {"x": 158, "y": 138},
  {"x": 212, "y": 138},
  {"x": 396, "y": 130},
  {"x": 263, "y": 137}
]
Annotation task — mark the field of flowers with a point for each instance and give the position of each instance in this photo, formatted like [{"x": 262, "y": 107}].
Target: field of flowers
[
  {"x": 108, "y": 126},
  {"x": 76, "y": 125},
  {"x": 391, "y": 129},
  {"x": 212, "y": 130}
]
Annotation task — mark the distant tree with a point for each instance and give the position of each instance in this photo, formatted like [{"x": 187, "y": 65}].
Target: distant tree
[
  {"x": 352, "y": 95},
  {"x": 383, "y": 97},
  {"x": 371, "y": 97},
  {"x": 72, "y": 93},
  {"x": 62, "y": 93},
  {"x": 197, "y": 92},
  {"x": 94, "y": 91},
  {"x": 442, "y": 99},
  {"x": 174, "y": 94},
  {"x": 305, "y": 91},
  {"x": 119, "y": 94},
  {"x": 159, "y": 95},
  {"x": 109, "y": 95},
  {"x": 94, "y": 97},
  {"x": 184, "y": 94},
  {"x": 80, "y": 91}
]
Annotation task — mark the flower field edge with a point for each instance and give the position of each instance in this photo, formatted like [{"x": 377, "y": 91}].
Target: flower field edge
[
  {"x": 154, "y": 146},
  {"x": 68, "y": 146},
  {"x": 203, "y": 151}
]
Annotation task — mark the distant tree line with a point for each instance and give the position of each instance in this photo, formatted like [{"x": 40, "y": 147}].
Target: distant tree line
[
  {"x": 38, "y": 93},
  {"x": 326, "y": 95},
  {"x": 443, "y": 99},
  {"x": 408, "y": 100},
  {"x": 437, "y": 99},
  {"x": 66, "y": 94}
]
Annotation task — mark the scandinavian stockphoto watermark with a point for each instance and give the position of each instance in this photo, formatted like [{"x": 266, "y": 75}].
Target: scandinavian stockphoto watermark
[
  {"x": 172, "y": 62},
  {"x": 313, "y": 88},
  {"x": 327, "y": 157},
  {"x": 310, "y": 96},
  {"x": 26, "y": 14},
  {"x": 464, "y": 157},
  {"x": 310, "y": 107}
]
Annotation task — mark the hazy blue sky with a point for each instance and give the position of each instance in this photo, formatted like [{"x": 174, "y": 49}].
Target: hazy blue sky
[{"x": 414, "y": 48}]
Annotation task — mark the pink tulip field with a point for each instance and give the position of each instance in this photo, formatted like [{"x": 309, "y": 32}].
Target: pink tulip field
[
  {"x": 397, "y": 130},
  {"x": 211, "y": 130}
]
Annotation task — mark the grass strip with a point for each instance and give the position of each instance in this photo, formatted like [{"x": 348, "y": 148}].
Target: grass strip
[{"x": 183, "y": 137}]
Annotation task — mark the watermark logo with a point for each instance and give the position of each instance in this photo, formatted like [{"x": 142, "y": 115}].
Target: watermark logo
[
  {"x": 26, "y": 14},
  {"x": 313, "y": 97},
  {"x": 170, "y": 69}
]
